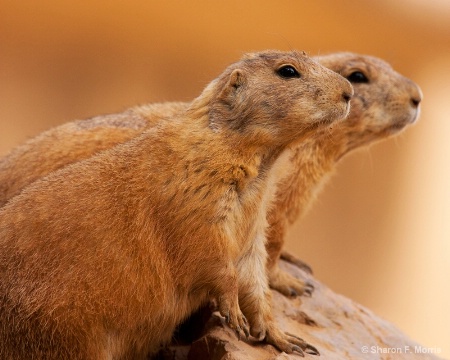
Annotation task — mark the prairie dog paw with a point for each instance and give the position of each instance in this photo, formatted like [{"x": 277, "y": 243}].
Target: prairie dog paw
[
  {"x": 234, "y": 317},
  {"x": 289, "y": 343},
  {"x": 288, "y": 285},
  {"x": 258, "y": 328}
]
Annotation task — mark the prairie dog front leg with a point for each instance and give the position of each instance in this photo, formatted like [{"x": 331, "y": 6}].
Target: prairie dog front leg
[
  {"x": 254, "y": 292},
  {"x": 255, "y": 300},
  {"x": 226, "y": 294}
]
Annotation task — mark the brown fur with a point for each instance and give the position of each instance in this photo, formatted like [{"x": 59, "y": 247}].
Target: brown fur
[
  {"x": 102, "y": 259},
  {"x": 74, "y": 141}
]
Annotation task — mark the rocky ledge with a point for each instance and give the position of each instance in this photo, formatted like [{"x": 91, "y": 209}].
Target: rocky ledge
[{"x": 337, "y": 326}]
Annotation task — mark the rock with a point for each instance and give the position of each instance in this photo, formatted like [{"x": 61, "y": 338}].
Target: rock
[{"x": 337, "y": 326}]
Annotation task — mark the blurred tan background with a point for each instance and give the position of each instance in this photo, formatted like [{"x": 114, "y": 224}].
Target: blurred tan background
[{"x": 380, "y": 232}]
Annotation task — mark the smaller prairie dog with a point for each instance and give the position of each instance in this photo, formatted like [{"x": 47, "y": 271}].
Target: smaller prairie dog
[
  {"x": 104, "y": 258},
  {"x": 384, "y": 103}
]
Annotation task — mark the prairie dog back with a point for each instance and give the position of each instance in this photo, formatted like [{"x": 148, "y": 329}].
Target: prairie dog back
[{"x": 72, "y": 142}]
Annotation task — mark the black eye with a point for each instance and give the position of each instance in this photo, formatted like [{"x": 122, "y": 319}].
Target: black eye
[
  {"x": 288, "y": 71},
  {"x": 357, "y": 77}
]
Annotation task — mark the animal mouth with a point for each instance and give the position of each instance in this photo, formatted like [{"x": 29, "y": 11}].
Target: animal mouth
[
  {"x": 402, "y": 121},
  {"x": 397, "y": 127},
  {"x": 334, "y": 117},
  {"x": 323, "y": 123}
]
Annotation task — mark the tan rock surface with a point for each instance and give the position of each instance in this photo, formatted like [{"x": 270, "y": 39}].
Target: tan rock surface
[{"x": 337, "y": 326}]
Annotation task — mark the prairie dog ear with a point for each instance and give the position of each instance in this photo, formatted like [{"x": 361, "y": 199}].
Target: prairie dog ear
[
  {"x": 237, "y": 79},
  {"x": 228, "y": 98}
]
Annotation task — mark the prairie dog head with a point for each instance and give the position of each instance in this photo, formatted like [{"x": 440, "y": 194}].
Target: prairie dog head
[
  {"x": 277, "y": 97},
  {"x": 384, "y": 102}
]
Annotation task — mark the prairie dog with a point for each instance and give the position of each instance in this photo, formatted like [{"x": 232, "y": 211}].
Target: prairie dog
[
  {"x": 384, "y": 103},
  {"x": 103, "y": 258}
]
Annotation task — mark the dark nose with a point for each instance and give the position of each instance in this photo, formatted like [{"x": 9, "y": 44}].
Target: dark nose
[
  {"x": 346, "y": 96},
  {"x": 415, "y": 95},
  {"x": 415, "y": 101}
]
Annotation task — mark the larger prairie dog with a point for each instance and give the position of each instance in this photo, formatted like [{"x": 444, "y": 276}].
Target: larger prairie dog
[
  {"x": 384, "y": 103},
  {"x": 102, "y": 259}
]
